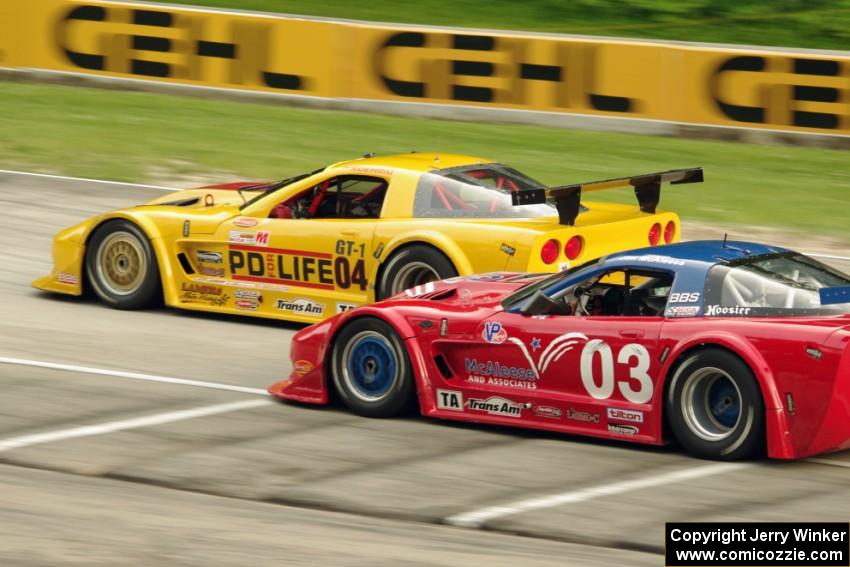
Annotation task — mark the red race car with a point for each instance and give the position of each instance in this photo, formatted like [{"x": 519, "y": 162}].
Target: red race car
[{"x": 732, "y": 348}]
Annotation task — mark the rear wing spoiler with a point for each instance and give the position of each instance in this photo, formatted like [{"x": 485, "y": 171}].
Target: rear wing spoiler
[{"x": 647, "y": 187}]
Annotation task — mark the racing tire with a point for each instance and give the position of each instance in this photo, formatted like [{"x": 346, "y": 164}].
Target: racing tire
[
  {"x": 714, "y": 407},
  {"x": 121, "y": 266},
  {"x": 412, "y": 266},
  {"x": 371, "y": 370}
]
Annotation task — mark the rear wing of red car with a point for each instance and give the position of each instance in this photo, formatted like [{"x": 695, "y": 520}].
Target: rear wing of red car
[{"x": 567, "y": 198}]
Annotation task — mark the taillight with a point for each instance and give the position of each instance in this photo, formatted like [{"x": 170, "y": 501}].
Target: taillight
[
  {"x": 550, "y": 250},
  {"x": 669, "y": 232},
  {"x": 573, "y": 247},
  {"x": 654, "y": 234}
]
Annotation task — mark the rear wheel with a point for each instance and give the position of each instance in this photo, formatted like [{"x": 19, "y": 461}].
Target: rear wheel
[
  {"x": 121, "y": 266},
  {"x": 714, "y": 406},
  {"x": 371, "y": 370},
  {"x": 413, "y": 266}
]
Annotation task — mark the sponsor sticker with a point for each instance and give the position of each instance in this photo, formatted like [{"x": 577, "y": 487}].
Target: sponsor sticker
[
  {"x": 248, "y": 294},
  {"x": 548, "y": 411},
  {"x": 653, "y": 258},
  {"x": 449, "y": 400},
  {"x": 245, "y": 222},
  {"x": 300, "y": 305},
  {"x": 302, "y": 367},
  {"x": 496, "y": 405},
  {"x": 494, "y": 373},
  {"x": 202, "y": 288},
  {"x": 214, "y": 272},
  {"x": 494, "y": 333},
  {"x": 259, "y": 238},
  {"x": 619, "y": 414},
  {"x": 720, "y": 310},
  {"x": 209, "y": 257},
  {"x": 583, "y": 416},
  {"x": 682, "y": 310},
  {"x": 203, "y": 293},
  {"x": 507, "y": 249},
  {"x": 622, "y": 429},
  {"x": 247, "y": 304},
  {"x": 69, "y": 279},
  {"x": 342, "y": 307}
]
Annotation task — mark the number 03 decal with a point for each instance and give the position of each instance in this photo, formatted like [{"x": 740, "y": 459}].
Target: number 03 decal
[{"x": 639, "y": 372}]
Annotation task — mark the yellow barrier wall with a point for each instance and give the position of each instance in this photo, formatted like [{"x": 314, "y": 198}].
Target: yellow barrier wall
[{"x": 678, "y": 83}]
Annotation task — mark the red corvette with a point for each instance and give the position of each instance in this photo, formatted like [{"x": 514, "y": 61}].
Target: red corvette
[{"x": 732, "y": 349}]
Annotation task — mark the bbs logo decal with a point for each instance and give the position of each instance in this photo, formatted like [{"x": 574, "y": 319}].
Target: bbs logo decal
[
  {"x": 684, "y": 297},
  {"x": 495, "y": 405},
  {"x": 449, "y": 400},
  {"x": 300, "y": 305},
  {"x": 494, "y": 333}
]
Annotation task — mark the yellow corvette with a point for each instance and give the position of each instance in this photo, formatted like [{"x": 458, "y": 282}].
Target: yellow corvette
[{"x": 313, "y": 245}]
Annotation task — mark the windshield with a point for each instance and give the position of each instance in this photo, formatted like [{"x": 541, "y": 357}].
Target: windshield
[
  {"x": 786, "y": 283},
  {"x": 523, "y": 293},
  {"x": 265, "y": 190},
  {"x": 477, "y": 191}
]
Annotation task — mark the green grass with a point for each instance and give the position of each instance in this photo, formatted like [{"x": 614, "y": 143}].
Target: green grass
[
  {"x": 821, "y": 24},
  {"x": 128, "y": 135}
]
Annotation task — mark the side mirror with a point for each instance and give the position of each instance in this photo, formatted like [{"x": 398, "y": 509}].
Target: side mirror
[{"x": 542, "y": 304}]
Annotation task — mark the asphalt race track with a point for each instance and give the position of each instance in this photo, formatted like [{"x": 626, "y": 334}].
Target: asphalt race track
[{"x": 107, "y": 458}]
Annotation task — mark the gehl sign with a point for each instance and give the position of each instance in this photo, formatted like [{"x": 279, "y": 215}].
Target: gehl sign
[{"x": 678, "y": 83}]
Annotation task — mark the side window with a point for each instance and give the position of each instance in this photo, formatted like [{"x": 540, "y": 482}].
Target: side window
[
  {"x": 344, "y": 197},
  {"x": 622, "y": 293}
]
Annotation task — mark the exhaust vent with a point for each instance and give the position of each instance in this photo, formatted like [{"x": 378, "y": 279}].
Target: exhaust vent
[
  {"x": 184, "y": 262},
  {"x": 443, "y": 366}
]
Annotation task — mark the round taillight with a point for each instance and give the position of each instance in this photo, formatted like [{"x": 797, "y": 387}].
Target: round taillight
[
  {"x": 669, "y": 232},
  {"x": 573, "y": 247},
  {"x": 654, "y": 234},
  {"x": 549, "y": 252}
]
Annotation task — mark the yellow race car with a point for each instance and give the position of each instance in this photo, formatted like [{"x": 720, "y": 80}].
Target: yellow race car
[{"x": 316, "y": 244}]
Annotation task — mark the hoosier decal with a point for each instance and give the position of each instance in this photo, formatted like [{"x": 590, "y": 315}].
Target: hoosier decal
[{"x": 307, "y": 269}]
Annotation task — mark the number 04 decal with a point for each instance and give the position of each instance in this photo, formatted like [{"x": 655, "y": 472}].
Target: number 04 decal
[{"x": 639, "y": 372}]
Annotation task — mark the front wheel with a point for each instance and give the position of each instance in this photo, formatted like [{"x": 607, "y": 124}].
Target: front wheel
[
  {"x": 715, "y": 408},
  {"x": 413, "y": 266},
  {"x": 371, "y": 370},
  {"x": 121, "y": 266}
]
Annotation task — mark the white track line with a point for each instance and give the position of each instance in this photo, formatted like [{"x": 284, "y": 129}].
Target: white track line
[
  {"x": 477, "y": 518},
  {"x": 134, "y": 423},
  {"x": 87, "y": 180},
  {"x": 132, "y": 375}
]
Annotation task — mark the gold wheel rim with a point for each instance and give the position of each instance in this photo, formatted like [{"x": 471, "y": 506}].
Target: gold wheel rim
[{"x": 121, "y": 263}]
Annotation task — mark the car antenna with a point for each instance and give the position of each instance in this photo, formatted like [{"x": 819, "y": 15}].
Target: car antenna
[{"x": 725, "y": 235}]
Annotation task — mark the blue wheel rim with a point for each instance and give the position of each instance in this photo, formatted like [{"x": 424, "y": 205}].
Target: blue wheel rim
[
  {"x": 711, "y": 404},
  {"x": 370, "y": 365},
  {"x": 724, "y": 402}
]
